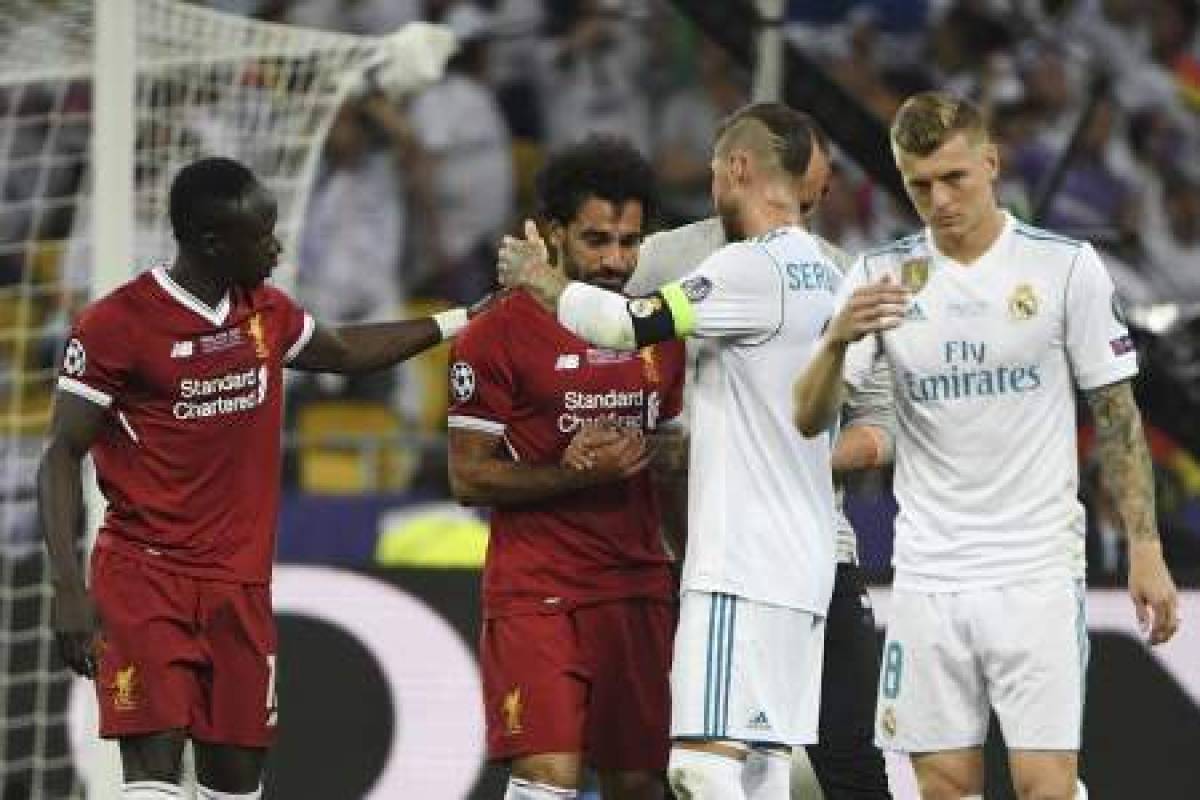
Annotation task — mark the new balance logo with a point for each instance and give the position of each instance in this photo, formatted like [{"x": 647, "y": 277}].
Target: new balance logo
[
  {"x": 567, "y": 361},
  {"x": 915, "y": 313},
  {"x": 759, "y": 721},
  {"x": 181, "y": 350}
]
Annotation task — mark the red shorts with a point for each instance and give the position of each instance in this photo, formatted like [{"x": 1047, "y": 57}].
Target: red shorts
[
  {"x": 594, "y": 680},
  {"x": 183, "y": 653}
]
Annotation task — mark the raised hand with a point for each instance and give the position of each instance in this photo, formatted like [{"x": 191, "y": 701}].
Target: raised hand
[
  {"x": 77, "y": 629},
  {"x": 870, "y": 309},
  {"x": 525, "y": 264}
]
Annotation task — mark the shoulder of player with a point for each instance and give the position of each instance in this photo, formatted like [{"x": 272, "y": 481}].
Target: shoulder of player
[
  {"x": 115, "y": 310},
  {"x": 1049, "y": 247},
  {"x": 494, "y": 321},
  {"x": 704, "y": 232}
]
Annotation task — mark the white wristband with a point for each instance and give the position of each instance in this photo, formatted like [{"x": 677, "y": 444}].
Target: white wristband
[{"x": 450, "y": 322}]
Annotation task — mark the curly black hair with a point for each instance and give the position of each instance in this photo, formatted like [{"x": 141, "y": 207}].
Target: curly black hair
[
  {"x": 607, "y": 167},
  {"x": 204, "y": 193}
]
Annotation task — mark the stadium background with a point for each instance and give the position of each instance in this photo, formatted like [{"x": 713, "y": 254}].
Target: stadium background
[{"x": 1095, "y": 104}]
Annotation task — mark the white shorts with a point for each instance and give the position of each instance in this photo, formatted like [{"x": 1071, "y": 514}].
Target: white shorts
[
  {"x": 745, "y": 671},
  {"x": 1020, "y": 650}
]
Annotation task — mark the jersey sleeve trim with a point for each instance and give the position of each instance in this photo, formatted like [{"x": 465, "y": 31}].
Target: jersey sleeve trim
[
  {"x": 306, "y": 333},
  {"x": 1108, "y": 375},
  {"x": 83, "y": 390},
  {"x": 479, "y": 424},
  {"x": 680, "y": 306}
]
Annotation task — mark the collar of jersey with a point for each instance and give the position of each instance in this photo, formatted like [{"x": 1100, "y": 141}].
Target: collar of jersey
[
  {"x": 216, "y": 316},
  {"x": 985, "y": 257}
]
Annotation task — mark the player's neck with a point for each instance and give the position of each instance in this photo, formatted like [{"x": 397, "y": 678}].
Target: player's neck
[
  {"x": 198, "y": 282},
  {"x": 972, "y": 244},
  {"x": 763, "y": 218}
]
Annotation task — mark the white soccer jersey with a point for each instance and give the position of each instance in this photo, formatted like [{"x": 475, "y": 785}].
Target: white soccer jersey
[
  {"x": 986, "y": 465},
  {"x": 669, "y": 255},
  {"x": 760, "y": 504}
]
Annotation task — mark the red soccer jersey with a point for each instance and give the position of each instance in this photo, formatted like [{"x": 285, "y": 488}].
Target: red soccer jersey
[
  {"x": 190, "y": 459},
  {"x": 517, "y": 373}
]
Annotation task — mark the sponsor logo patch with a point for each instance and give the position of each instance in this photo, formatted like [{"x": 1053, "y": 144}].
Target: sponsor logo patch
[
  {"x": 644, "y": 307},
  {"x": 75, "y": 358},
  {"x": 759, "y": 722},
  {"x": 696, "y": 288},
  {"x": 1122, "y": 345},
  {"x": 462, "y": 381},
  {"x": 182, "y": 350},
  {"x": 567, "y": 361}
]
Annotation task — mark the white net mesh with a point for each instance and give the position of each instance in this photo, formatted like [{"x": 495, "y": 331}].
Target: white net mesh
[{"x": 207, "y": 84}]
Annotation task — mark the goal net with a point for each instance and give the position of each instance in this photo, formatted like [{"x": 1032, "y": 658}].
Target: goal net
[{"x": 204, "y": 83}]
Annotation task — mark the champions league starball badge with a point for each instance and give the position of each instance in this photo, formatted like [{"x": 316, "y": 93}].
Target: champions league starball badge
[
  {"x": 75, "y": 358},
  {"x": 462, "y": 381}
]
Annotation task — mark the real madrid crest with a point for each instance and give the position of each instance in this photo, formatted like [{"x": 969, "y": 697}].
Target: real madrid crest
[
  {"x": 1023, "y": 303},
  {"x": 914, "y": 274}
]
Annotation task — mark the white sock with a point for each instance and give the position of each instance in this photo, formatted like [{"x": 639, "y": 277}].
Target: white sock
[
  {"x": 150, "y": 790},
  {"x": 521, "y": 789},
  {"x": 767, "y": 775},
  {"x": 205, "y": 793},
  {"x": 1080, "y": 791},
  {"x": 697, "y": 775}
]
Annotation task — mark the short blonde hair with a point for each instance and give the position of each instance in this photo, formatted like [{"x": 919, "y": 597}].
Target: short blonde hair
[
  {"x": 927, "y": 120},
  {"x": 781, "y": 138}
]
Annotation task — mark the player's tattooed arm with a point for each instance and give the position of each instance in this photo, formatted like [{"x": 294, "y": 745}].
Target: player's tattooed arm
[
  {"x": 75, "y": 423},
  {"x": 1129, "y": 477},
  {"x": 1124, "y": 458}
]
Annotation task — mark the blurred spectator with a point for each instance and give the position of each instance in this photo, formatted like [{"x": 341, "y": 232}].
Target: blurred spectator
[
  {"x": 364, "y": 17},
  {"x": 593, "y": 77},
  {"x": 353, "y": 236},
  {"x": 1093, "y": 200},
  {"x": 517, "y": 27},
  {"x": 1173, "y": 242},
  {"x": 1113, "y": 33},
  {"x": 1049, "y": 93},
  {"x": 686, "y": 130},
  {"x": 468, "y": 157},
  {"x": 845, "y": 216},
  {"x": 962, "y": 43}
]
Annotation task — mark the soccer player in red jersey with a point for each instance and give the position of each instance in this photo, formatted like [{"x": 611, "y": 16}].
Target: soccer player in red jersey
[
  {"x": 579, "y": 605},
  {"x": 173, "y": 382}
]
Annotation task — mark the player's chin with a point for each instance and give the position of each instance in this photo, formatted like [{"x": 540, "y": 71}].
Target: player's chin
[
  {"x": 254, "y": 281},
  {"x": 611, "y": 284}
]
